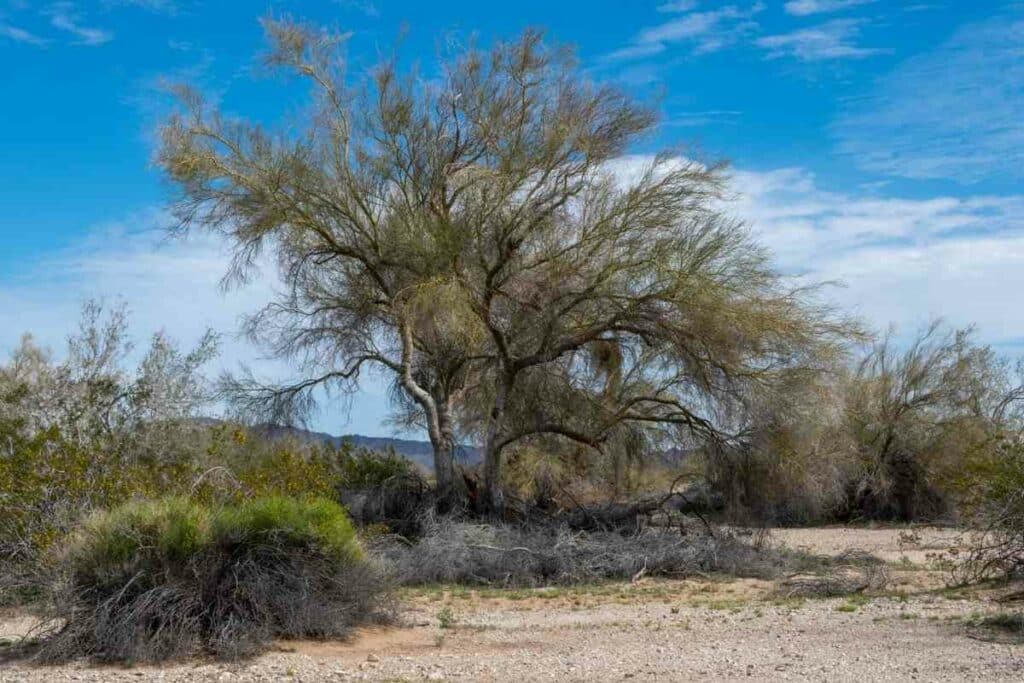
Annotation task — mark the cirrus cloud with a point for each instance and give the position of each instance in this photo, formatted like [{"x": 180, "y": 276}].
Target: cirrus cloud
[
  {"x": 954, "y": 112},
  {"x": 701, "y": 32},
  {"x": 63, "y": 17},
  {"x": 832, "y": 40},
  {"x": 802, "y": 8}
]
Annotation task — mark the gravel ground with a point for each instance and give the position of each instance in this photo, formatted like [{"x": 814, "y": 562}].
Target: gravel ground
[
  {"x": 655, "y": 630},
  {"x": 884, "y": 543}
]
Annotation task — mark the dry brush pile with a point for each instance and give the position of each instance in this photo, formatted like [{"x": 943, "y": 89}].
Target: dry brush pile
[{"x": 451, "y": 551}]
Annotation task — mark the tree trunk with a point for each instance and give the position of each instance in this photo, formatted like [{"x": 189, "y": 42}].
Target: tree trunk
[
  {"x": 437, "y": 410},
  {"x": 493, "y": 495},
  {"x": 451, "y": 490},
  {"x": 444, "y": 467}
]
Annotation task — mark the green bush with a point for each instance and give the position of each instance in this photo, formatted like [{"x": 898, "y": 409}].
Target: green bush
[
  {"x": 360, "y": 468},
  {"x": 265, "y": 467},
  {"x": 317, "y": 523},
  {"x": 164, "y": 532},
  {"x": 993, "y": 490},
  {"x": 172, "y": 578}
]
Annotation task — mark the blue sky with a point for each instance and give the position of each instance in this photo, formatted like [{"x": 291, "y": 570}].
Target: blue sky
[{"x": 877, "y": 143}]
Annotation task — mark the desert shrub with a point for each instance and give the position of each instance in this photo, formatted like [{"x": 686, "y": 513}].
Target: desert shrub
[
  {"x": 778, "y": 484},
  {"x": 539, "y": 475},
  {"x": 84, "y": 432},
  {"x": 48, "y": 482},
  {"x": 381, "y": 490},
  {"x": 918, "y": 417},
  {"x": 171, "y": 578},
  {"x": 361, "y": 468},
  {"x": 849, "y": 573},
  {"x": 793, "y": 464},
  {"x": 994, "y": 495},
  {"x": 282, "y": 469},
  {"x": 888, "y": 439},
  {"x": 452, "y": 551},
  {"x": 90, "y": 396},
  {"x": 1003, "y": 627}
]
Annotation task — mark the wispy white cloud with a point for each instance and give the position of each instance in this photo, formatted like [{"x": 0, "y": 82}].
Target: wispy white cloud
[
  {"x": 63, "y": 17},
  {"x": 701, "y": 118},
  {"x": 636, "y": 51},
  {"x": 161, "y": 6},
  {"x": 834, "y": 39},
  {"x": 20, "y": 35},
  {"x": 678, "y": 6},
  {"x": 131, "y": 259},
  {"x": 801, "y": 8},
  {"x": 954, "y": 112},
  {"x": 900, "y": 260},
  {"x": 368, "y": 7},
  {"x": 716, "y": 29},
  {"x": 897, "y": 260},
  {"x": 701, "y": 32}
]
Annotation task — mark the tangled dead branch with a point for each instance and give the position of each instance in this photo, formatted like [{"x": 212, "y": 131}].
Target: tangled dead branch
[{"x": 452, "y": 551}]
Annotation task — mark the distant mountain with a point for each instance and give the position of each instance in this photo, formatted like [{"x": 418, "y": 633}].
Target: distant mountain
[{"x": 420, "y": 452}]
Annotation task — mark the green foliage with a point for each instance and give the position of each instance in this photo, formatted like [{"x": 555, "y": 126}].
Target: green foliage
[
  {"x": 320, "y": 523},
  {"x": 632, "y": 309},
  {"x": 892, "y": 437},
  {"x": 994, "y": 500},
  {"x": 918, "y": 417},
  {"x": 171, "y": 531},
  {"x": 995, "y": 479},
  {"x": 287, "y": 471},
  {"x": 47, "y": 481},
  {"x": 160, "y": 534},
  {"x": 273, "y": 468},
  {"x": 446, "y": 618},
  {"x": 359, "y": 468}
]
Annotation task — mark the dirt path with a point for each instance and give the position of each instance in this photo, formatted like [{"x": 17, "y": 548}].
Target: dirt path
[{"x": 656, "y": 630}]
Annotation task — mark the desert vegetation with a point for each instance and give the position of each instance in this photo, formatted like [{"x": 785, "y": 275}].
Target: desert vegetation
[{"x": 642, "y": 381}]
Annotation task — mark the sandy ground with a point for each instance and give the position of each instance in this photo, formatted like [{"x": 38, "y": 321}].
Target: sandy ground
[
  {"x": 914, "y": 544},
  {"x": 651, "y": 631}
]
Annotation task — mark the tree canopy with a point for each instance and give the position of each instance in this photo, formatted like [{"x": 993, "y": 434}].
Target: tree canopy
[{"x": 483, "y": 236}]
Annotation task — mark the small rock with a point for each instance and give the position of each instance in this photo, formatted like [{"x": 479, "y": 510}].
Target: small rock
[{"x": 372, "y": 658}]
